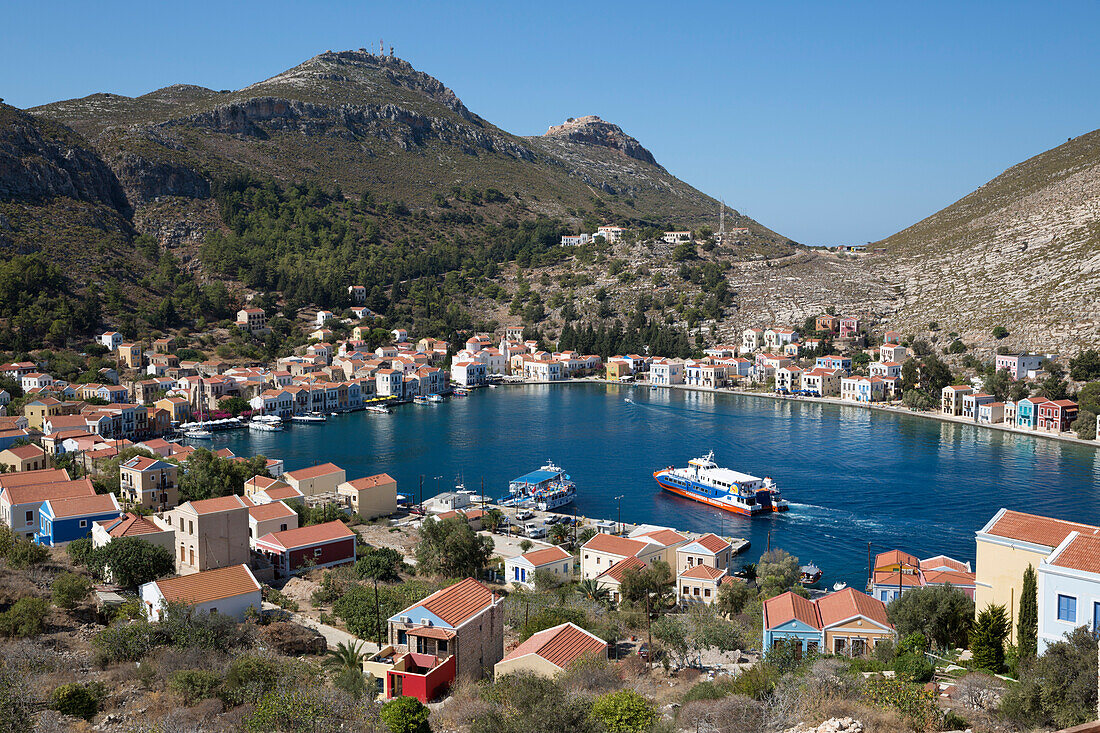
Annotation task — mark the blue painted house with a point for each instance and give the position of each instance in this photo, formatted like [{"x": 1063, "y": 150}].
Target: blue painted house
[
  {"x": 790, "y": 617},
  {"x": 834, "y": 362},
  {"x": 1027, "y": 412},
  {"x": 63, "y": 520}
]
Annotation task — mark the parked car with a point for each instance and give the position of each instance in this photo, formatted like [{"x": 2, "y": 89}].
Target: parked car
[
  {"x": 524, "y": 514},
  {"x": 534, "y": 530}
]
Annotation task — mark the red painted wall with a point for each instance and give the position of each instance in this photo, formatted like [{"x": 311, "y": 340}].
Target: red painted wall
[
  {"x": 425, "y": 688},
  {"x": 344, "y": 550}
]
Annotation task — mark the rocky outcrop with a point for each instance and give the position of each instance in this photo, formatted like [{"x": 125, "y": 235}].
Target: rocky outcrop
[
  {"x": 146, "y": 180},
  {"x": 832, "y": 725},
  {"x": 259, "y": 117},
  {"x": 591, "y": 130},
  {"x": 41, "y": 160}
]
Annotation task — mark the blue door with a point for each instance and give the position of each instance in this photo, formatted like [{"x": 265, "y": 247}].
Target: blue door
[{"x": 1095, "y": 617}]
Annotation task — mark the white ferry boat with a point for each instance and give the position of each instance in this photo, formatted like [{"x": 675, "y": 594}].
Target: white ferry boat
[
  {"x": 546, "y": 489},
  {"x": 704, "y": 481}
]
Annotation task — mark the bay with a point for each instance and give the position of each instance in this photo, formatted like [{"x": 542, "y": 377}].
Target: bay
[{"x": 852, "y": 476}]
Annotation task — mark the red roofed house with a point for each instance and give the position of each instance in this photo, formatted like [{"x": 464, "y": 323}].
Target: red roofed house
[
  {"x": 20, "y": 501},
  {"x": 323, "y": 479},
  {"x": 129, "y": 524},
  {"x": 551, "y": 651},
  {"x": 229, "y": 591},
  {"x": 315, "y": 546},
  {"x": 1056, "y": 416},
  {"x": 847, "y": 623},
  {"x": 896, "y": 572},
  {"x": 604, "y": 550},
  {"x": 457, "y": 631},
  {"x": 1006, "y": 545},
  {"x": 370, "y": 496},
  {"x": 521, "y": 569},
  {"x": 264, "y": 519},
  {"x": 211, "y": 533},
  {"x": 149, "y": 483},
  {"x": 27, "y": 457},
  {"x": 1069, "y": 587}
]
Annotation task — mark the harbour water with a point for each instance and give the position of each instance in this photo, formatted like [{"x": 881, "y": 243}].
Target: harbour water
[{"x": 852, "y": 475}]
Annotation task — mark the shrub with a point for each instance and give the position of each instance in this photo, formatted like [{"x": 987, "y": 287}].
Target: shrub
[
  {"x": 757, "y": 681},
  {"x": 193, "y": 685},
  {"x": 131, "y": 561},
  {"x": 914, "y": 667},
  {"x": 624, "y": 711},
  {"x": 250, "y": 676},
  {"x": 26, "y": 617},
  {"x": 80, "y": 550},
  {"x": 287, "y": 710},
  {"x": 709, "y": 690},
  {"x": 77, "y": 700},
  {"x": 914, "y": 703},
  {"x": 406, "y": 715},
  {"x": 127, "y": 642},
  {"x": 1057, "y": 689},
  {"x": 24, "y": 554},
  {"x": 351, "y": 681},
  {"x": 733, "y": 713},
  {"x": 69, "y": 589},
  {"x": 988, "y": 639}
]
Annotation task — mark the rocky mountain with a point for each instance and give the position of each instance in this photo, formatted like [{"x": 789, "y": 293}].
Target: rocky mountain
[
  {"x": 364, "y": 121},
  {"x": 1022, "y": 251}
]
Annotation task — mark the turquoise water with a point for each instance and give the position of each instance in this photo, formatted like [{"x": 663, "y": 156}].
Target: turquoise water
[{"x": 852, "y": 475}]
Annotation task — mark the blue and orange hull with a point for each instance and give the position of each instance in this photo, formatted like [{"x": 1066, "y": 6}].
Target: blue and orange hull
[{"x": 679, "y": 491}]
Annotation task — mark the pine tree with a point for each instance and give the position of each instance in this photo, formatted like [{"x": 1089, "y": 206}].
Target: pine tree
[
  {"x": 987, "y": 642},
  {"x": 1027, "y": 628}
]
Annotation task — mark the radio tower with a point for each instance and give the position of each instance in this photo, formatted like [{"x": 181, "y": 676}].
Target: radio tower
[{"x": 722, "y": 222}]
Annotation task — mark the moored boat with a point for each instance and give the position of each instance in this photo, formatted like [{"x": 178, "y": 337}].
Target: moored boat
[
  {"x": 198, "y": 434},
  {"x": 380, "y": 409},
  {"x": 546, "y": 489},
  {"x": 309, "y": 418},
  {"x": 420, "y": 400},
  {"x": 809, "y": 574},
  {"x": 266, "y": 424},
  {"x": 704, "y": 481}
]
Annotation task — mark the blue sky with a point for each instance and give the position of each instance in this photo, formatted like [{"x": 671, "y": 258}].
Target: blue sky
[{"x": 829, "y": 122}]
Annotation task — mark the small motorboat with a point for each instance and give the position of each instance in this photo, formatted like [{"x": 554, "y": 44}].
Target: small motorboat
[
  {"x": 436, "y": 397},
  {"x": 810, "y": 574},
  {"x": 309, "y": 418},
  {"x": 839, "y": 586},
  {"x": 380, "y": 409}
]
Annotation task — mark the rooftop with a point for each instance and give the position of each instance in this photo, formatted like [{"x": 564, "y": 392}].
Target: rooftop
[
  {"x": 560, "y": 645},
  {"x": 546, "y": 555},
  {"x": 209, "y": 585},
  {"x": 304, "y": 474},
  {"x": 220, "y": 504},
  {"x": 305, "y": 536},
  {"x": 1037, "y": 530},
  {"x": 612, "y": 545},
  {"x": 458, "y": 603}
]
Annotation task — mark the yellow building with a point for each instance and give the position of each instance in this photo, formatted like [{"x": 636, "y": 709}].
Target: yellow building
[
  {"x": 371, "y": 496},
  {"x": 23, "y": 458},
  {"x": 38, "y": 410},
  {"x": 130, "y": 355},
  {"x": 616, "y": 370},
  {"x": 1006, "y": 545}
]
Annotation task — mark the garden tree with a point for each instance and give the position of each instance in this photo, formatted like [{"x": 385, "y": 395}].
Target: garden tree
[
  {"x": 525, "y": 546},
  {"x": 1018, "y": 391},
  {"x": 934, "y": 375},
  {"x": 451, "y": 548},
  {"x": 492, "y": 519},
  {"x": 1084, "y": 425},
  {"x": 590, "y": 589},
  {"x": 26, "y": 617},
  {"x": 997, "y": 383},
  {"x": 69, "y": 589},
  {"x": 1085, "y": 367},
  {"x": 1053, "y": 386},
  {"x": 625, "y": 711},
  {"x": 406, "y": 715},
  {"x": 234, "y": 405},
  {"x": 942, "y": 614},
  {"x": 346, "y": 655},
  {"x": 18, "y": 703},
  {"x": 917, "y": 399},
  {"x": 356, "y": 605},
  {"x": 987, "y": 640},
  {"x": 559, "y": 533},
  {"x": 549, "y": 617},
  {"x": 733, "y": 596},
  {"x": 652, "y": 588},
  {"x": 1027, "y": 625},
  {"x": 528, "y": 703},
  {"x": 1088, "y": 397},
  {"x": 910, "y": 375},
  {"x": 131, "y": 561},
  {"x": 209, "y": 475},
  {"x": 1057, "y": 689},
  {"x": 777, "y": 571},
  {"x": 379, "y": 564}
]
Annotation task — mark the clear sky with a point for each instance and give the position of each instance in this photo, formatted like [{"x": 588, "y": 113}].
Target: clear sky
[{"x": 829, "y": 122}]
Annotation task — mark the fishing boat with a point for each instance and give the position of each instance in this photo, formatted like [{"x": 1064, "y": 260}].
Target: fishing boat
[
  {"x": 266, "y": 424},
  {"x": 546, "y": 489},
  {"x": 704, "y": 481},
  {"x": 380, "y": 409},
  {"x": 310, "y": 418},
  {"x": 198, "y": 434},
  {"x": 809, "y": 574},
  {"x": 461, "y": 391},
  {"x": 421, "y": 400}
]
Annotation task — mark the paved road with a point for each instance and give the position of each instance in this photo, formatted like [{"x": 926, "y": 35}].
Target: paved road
[{"x": 332, "y": 634}]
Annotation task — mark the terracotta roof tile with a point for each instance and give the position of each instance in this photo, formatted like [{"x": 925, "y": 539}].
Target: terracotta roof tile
[
  {"x": 1035, "y": 529},
  {"x": 896, "y": 557},
  {"x": 220, "y": 504},
  {"x": 612, "y": 545},
  {"x": 615, "y": 572},
  {"x": 849, "y": 603},
  {"x": 280, "y": 493},
  {"x": 77, "y": 506},
  {"x": 370, "y": 481},
  {"x": 790, "y": 606},
  {"x": 666, "y": 537},
  {"x": 458, "y": 603},
  {"x": 712, "y": 543},
  {"x": 546, "y": 555},
  {"x": 703, "y": 572},
  {"x": 43, "y": 476},
  {"x": 560, "y": 645},
  {"x": 324, "y": 469},
  {"x": 209, "y": 585},
  {"x": 956, "y": 578},
  {"x": 432, "y": 632},
  {"x": 1082, "y": 553},
  {"x": 129, "y": 525},
  {"x": 274, "y": 510},
  {"x": 35, "y": 493},
  {"x": 314, "y": 534}
]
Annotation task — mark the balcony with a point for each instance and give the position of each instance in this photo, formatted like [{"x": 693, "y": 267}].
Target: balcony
[{"x": 423, "y": 676}]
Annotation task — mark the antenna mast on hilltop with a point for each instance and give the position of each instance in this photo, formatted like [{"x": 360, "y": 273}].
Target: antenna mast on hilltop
[
  {"x": 381, "y": 52},
  {"x": 722, "y": 222}
]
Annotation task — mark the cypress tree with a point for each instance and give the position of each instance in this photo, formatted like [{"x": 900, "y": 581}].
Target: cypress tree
[
  {"x": 1027, "y": 627},
  {"x": 987, "y": 642}
]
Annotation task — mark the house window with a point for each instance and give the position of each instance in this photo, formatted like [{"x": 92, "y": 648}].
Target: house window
[
  {"x": 441, "y": 646},
  {"x": 317, "y": 552},
  {"x": 282, "y": 528},
  {"x": 1067, "y": 608},
  {"x": 859, "y": 647},
  {"x": 695, "y": 591},
  {"x": 840, "y": 646},
  {"x": 706, "y": 592},
  {"x": 190, "y": 527},
  {"x": 83, "y": 523},
  {"x": 30, "y": 516}
]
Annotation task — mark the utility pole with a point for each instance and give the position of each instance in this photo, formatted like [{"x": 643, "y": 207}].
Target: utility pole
[{"x": 619, "y": 501}]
